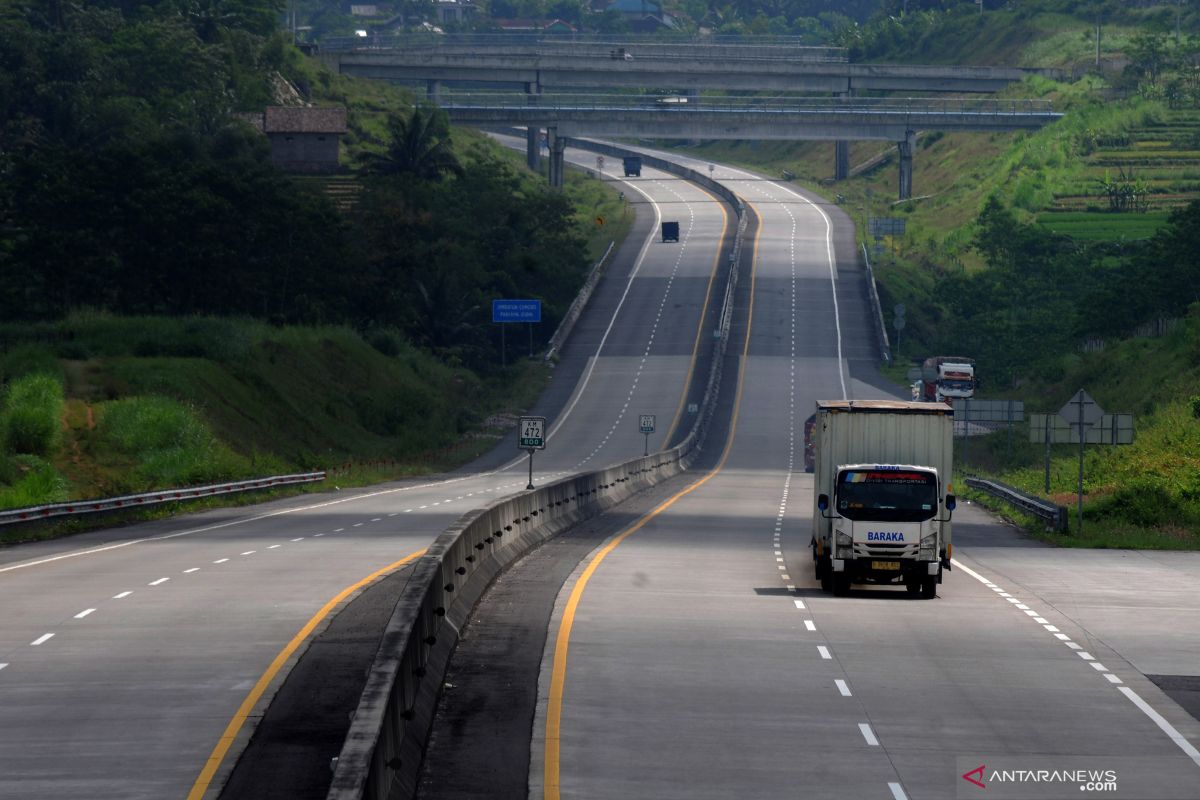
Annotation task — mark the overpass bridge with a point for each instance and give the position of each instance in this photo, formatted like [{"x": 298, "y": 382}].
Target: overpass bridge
[
  {"x": 552, "y": 64},
  {"x": 541, "y": 63},
  {"x": 675, "y": 117}
]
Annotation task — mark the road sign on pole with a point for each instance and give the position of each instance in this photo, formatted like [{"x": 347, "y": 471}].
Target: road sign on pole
[
  {"x": 1081, "y": 412},
  {"x": 646, "y": 424},
  {"x": 516, "y": 311},
  {"x": 531, "y": 435}
]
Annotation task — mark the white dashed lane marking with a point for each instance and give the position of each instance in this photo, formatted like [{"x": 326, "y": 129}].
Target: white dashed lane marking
[
  {"x": 842, "y": 687},
  {"x": 824, "y": 651},
  {"x": 2, "y": 666},
  {"x": 810, "y": 625},
  {"x": 220, "y": 560},
  {"x": 158, "y": 582},
  {"x": 190, "y": 571},
  {"x": 274, "y": 546},
  {"x": 84, "y": 613},
  {"x": 45, "y": 637},
  {"x": 122, "y": 595},
  {"x": 897, "y": 791},
  {"x": 249, "y": 552},
  {"x": 868, "y": 734}
]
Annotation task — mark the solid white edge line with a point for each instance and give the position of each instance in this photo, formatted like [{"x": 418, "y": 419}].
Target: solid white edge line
[
  {"x": 637, "y": 268},
  {"x": 837, "y": 320},
  {"x": 1162, "y": 723},
  {"x": 897, "y": 791},
  {"x": 1167, "y": 728},
  {"x": 868, "y": 734}
]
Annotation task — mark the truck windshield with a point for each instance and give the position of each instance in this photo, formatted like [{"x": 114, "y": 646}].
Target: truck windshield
[{"x": 887, "y": 495}]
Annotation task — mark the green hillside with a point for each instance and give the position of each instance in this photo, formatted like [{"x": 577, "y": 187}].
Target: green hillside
[{"x": 1020, "y": 248}]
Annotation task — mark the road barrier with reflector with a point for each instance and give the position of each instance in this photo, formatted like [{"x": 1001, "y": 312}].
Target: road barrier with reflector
[{"x": 382, "y": 753}]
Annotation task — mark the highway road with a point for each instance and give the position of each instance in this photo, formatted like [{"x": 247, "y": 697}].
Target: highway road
[
  {"x": 692, "y": 654},
  {"x": 130, "y": 658}
]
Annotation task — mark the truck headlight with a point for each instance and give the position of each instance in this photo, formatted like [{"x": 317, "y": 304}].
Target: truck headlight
[
  {"x": 843, "y": 545},
  {"x": 928, "y": 549}
]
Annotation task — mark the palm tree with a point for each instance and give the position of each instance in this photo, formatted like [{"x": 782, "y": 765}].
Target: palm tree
[{"x": 419, "y": 146}]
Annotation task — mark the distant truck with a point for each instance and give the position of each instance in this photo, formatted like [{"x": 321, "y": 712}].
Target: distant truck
[
  {"x": 882, "y": 494},
  {"x": 945, "y": 379},
  {"x": 670, "y": 231},
  {"x": 633, "y": 166}
]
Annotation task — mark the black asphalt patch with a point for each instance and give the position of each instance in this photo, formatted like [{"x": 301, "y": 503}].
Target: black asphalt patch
[{"x": 1183, "y": 689}]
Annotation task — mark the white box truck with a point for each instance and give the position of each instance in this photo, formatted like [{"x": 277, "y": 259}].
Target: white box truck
[{"x": 882, "y": 494}]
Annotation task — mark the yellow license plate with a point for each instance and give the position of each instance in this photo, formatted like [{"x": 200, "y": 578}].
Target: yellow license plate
[{"x": 885, "y": 565}]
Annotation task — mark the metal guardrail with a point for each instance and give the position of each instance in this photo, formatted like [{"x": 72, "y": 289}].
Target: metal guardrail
[
  {"x": 757, "y": 47},
  {"x": 80, "y": 507},
  {"x": 567, "y": 323},
  {"x": 383, "y": 749},
  {"x": 885, "y": 346},
  {"x": 609, "y": 101},
  {"x": 1055, "y": 516}
]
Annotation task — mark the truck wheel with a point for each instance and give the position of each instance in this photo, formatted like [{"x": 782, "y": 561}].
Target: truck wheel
[
  {"x": 841, "y": 584},
  {"x": 826, "y": 575},
  {"x": 929, "y": 587}
]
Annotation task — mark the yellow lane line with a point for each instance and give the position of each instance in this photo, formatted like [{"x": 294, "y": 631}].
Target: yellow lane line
[
  {"x": 712, "y": 276},
  {"x": 239, "y": 718},
  {"x": 558, "y": 672}
]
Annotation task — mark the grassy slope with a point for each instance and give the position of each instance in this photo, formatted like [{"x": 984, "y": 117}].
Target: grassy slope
[
  {"x": 953, "y": 175},
  {"x": 274, "y": 399}
]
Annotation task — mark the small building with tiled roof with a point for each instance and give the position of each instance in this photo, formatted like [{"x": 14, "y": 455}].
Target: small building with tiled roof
[{"x": 303, "y": 138}]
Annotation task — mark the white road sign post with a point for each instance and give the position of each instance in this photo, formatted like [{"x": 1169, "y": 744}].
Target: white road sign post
[
  {"x": 531, "y": 435},
  {"x": 646, "y": 424},
  {"x": 1081, "y": 411}
]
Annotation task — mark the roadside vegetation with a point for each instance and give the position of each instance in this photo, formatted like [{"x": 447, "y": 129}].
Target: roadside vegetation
[
  {"x": 174, "y": 310},
  {"x": 1062, "y": 259}
]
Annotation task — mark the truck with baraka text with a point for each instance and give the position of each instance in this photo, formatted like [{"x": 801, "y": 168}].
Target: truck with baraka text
[
  {"x": 945, "y": 379},
  {"x": 882, "y": 496}
]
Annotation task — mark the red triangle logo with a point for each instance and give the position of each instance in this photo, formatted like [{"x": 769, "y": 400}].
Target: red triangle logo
[{"x": 978, "y": 780}]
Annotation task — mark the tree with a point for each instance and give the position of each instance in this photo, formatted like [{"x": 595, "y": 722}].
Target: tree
[{"x": 419, "y": 146}]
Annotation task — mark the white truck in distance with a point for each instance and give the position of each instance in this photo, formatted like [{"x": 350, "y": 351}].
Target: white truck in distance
[{"x": 882, "y": 499}]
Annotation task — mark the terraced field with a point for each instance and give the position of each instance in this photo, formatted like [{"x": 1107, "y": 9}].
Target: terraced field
[{"x": 1161, "y": 159}]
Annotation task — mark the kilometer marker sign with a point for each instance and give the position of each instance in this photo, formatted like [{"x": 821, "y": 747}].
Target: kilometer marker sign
[{"x": 531, "y": 433}]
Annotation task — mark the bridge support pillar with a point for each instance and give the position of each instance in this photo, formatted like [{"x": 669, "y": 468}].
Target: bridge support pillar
[
  {"x": 557, "y": 146},
  {"x": 533, "y": 134},
  {"x": 432, "y": 88},
  {"x": 841, "y": 161},
  {"x": 693, "y": 96},
  {"x": 841, "y": 149},
  {"x": 533, "y": 144},
  {"x": 906, "y": 146}
]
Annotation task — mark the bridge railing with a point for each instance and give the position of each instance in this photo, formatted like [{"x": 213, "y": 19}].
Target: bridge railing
[
  {"x": 658, "y": 102},
  {"x": 730, "y": 46}
]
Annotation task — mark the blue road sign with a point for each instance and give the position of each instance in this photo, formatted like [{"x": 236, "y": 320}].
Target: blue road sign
[{"x": 516, "y": 311}]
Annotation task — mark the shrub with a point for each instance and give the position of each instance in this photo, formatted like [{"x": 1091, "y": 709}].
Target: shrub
[
  {"x": 34, "y": 483},
  {"x": 1145, "y": 502},
  {"x": 168, "y": 441},
  {"x": 32, "y": 415},
  {"x": 29, "y": 359}
]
